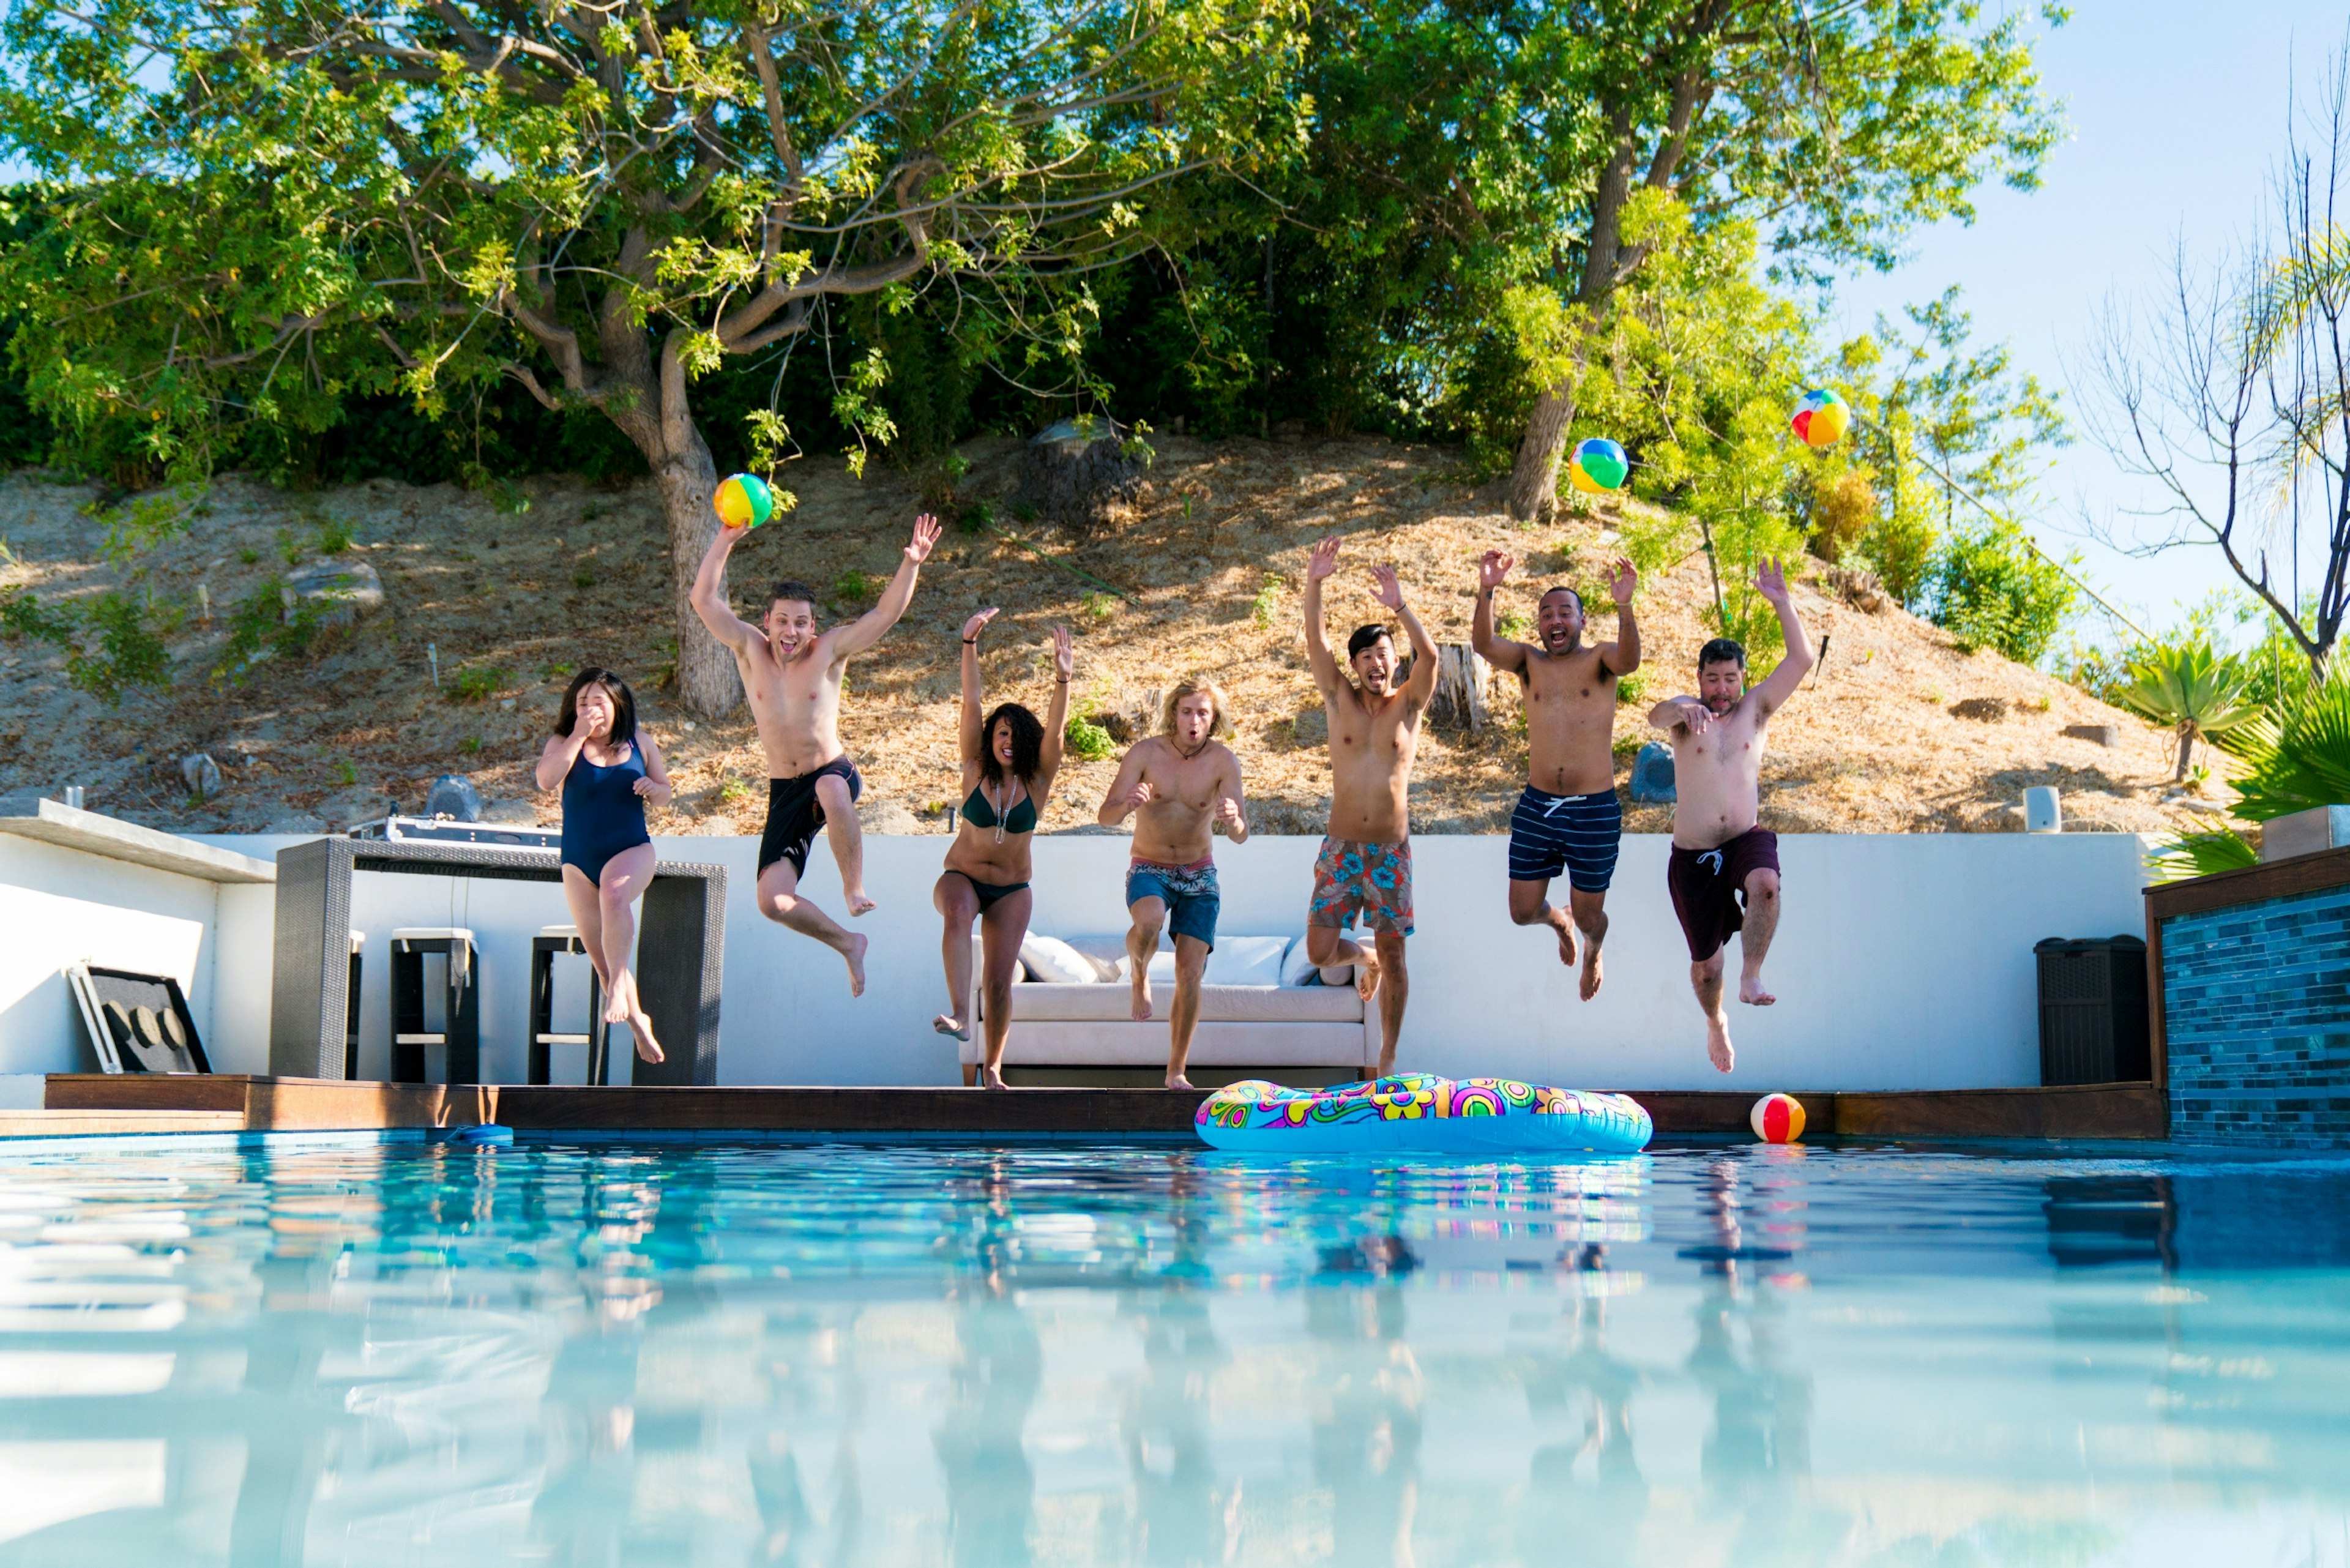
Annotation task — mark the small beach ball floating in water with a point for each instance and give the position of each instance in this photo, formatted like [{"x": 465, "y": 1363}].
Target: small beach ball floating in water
[
  {"x": 1777, "y": 1118},
  {"x": 1821, "y": 417},
  {"x": 744, "y": 501},
  {"x": 1598, "y": 466}
]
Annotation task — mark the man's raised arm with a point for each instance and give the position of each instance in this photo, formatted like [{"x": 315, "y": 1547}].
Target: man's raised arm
[
  {"x": 1623, "y": 656},
  {"x": 1417, "y": 689},
  {"x": 709, "y": 596},
  {"x": 1319, "y": 566},
  {"x": 1770, "y": 582},
  {"x": 1497, "y": 651},
  {"x": 874, "y": 624}
]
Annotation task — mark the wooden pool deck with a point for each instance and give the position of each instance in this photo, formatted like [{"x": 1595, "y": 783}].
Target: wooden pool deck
[{"x": 97, "y": 1103}]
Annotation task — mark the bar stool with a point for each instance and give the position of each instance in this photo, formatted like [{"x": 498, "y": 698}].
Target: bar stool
[
  {"x": 351, "y": 1011},
  {"x": 462, "y": 1026},
  {"x": 551, "y": 940}
]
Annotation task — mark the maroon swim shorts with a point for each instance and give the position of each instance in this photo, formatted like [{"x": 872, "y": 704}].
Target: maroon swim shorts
[{"x": 1708, "y": 885}]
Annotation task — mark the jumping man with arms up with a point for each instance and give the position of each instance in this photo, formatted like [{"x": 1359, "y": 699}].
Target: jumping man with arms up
[
  {"x": 1365, "y": 867},
  {"x": 791, "y": 676},
  {"x": 1568, "y": 819},
  {"x": 1720, "y": 853},
  {"x": 1180, "y": 783}
]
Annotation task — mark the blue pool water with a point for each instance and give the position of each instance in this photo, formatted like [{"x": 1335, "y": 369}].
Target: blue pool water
[{"x": 636, "y": 1353}]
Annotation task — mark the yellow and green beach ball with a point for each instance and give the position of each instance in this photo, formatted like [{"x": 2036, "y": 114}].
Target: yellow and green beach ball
[
  {"x": 1598, "y": 466},
  {"x": 744, "y": 501},
  {"x": 1821, "y": 417}
]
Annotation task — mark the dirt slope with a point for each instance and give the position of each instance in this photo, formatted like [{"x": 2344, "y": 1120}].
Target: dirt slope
[{"x": 1879, "y": 742}]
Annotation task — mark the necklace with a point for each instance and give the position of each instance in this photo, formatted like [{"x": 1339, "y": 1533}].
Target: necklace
[
  {"x": 1194, "y": 751},
  {"x": 999, "y": 809}
]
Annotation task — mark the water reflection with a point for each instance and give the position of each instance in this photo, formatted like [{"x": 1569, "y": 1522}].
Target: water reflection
[{"x": 630, "y": 1354}]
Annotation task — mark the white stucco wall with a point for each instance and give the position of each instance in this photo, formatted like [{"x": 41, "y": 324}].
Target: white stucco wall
[
  {"x": 1903, "y": 961},
  {"x": 61, "y": 906}
]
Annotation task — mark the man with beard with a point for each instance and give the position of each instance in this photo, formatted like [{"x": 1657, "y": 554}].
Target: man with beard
[
  {"x": 1720, "y": 853},
  {"x": 1568, "y": 819},
  {"x": 791, "y": 679},
  {"x": 1180, "y": 783},
  {"x": 1365, "y": 866}
]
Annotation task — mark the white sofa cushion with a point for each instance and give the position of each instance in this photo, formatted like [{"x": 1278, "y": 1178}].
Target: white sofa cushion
[
  {"x": 1215, "y": 1046},
  {"x": 1246, "y": 961},
  {"x": 1232, "y": 1004},
  {"x": 1050, "y": 960}
]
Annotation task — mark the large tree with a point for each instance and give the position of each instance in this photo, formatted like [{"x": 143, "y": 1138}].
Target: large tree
[
  {"x": 264, "y": 207},
  {"x": 1836, "y": 128}
]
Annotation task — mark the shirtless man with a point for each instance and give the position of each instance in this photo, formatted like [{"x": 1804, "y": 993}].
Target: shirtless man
[
  {"x": 792, "y": 675},
  {"x": 1719, "y": 852},
  {"x": 1180, "y": 784},
  {"x": 1365, "y": 866},
  {"x": 1569, "y": 818}
]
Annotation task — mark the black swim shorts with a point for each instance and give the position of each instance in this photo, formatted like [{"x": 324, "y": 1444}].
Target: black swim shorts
[{"x": 795, "y": 814}]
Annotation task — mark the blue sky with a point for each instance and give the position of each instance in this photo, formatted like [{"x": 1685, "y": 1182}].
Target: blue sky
[{"x": 2178, "y": 115}]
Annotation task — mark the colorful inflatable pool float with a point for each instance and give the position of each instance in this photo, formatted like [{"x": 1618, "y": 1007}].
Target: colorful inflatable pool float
[{"x": 1416, "y": 1111}]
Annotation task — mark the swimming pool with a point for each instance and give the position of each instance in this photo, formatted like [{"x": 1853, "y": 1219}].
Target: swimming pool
[{"x": 638, "y": 1353}]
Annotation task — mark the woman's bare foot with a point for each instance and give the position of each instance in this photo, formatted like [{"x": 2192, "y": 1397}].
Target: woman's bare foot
[
  {"x": 1178, "y": 1081},
  {"x": 1366, "y": 977},
  {"x": 854, "y": 954},
  {"x": 1750, "y": 991},
  {"x": 620, "y": 998},
  {"x": 1593, "y": 975},
  {"x": 642, "y": 1028},
  {"x": 859, "y": 903},
  {"x": 1716, "y": 1043},
  {"x": 948, "y": 1023},
  {"x": 989, "y": 1078},
  {"x": 1140, "y": 1010}
]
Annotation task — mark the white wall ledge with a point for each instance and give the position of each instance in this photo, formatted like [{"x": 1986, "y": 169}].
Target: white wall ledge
[{"x": 54, "y": 822}]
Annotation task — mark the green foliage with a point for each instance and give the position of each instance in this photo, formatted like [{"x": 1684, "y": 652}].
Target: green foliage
[
  {"x": 2297, "y": 756},
  {"x": 1088, "y": 741},
  {"x": 478, "y": 683},
  {"x": 855, "y": 586},
  {"x": 1265, "y": 608},
  {"x": 335, "y": 535},
  {"x": 1514, "y": 626},
  {"x": 1098, "y": 608},
  {"x": 2202, "y": 854},
  {"x": 976, "y": 518},
  {"x": 263, "y": 626},
  {"x": 1988, "y": 588},
  {"x": 1632, "y": 689},
  {"x": 2192, "y": 687},
  {"x": 113, "y": 643}
]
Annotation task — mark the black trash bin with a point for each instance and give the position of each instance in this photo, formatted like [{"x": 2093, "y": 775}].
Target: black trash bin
[{"x": 2093, "y": 1023}]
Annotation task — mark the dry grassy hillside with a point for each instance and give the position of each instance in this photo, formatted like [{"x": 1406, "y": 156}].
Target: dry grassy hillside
[{"x": 1897, "y": 733}]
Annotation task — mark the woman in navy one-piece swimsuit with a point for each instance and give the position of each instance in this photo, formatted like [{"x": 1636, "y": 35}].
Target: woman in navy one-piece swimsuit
[{"x": 608, "y": 768}]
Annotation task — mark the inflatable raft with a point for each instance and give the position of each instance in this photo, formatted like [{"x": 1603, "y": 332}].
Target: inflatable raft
[{"x": 1422, "y": 1112}]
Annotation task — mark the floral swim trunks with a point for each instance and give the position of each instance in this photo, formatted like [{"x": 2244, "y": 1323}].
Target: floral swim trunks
[{"x": 1371, "y": 880}]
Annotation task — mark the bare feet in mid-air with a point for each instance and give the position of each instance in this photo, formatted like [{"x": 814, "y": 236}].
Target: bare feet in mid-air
[
  {"x": 641, "y": 1027},
  {"x": 859, "y": 903},
  {"x": 854, "y": 954},
  {"x": 948, "y": 1023},
  {"x": 1716, "y": 1043},
  {"x": 989, "y": 1078},
  {"x": 1140, "y": 1010},
  {"x": 1566, "y": 947},
  {"x": 1594, "y": 976},
  {"x": 1750, "y": 991},
  {"x": 619, "y": 997},
  {"x": 1366, "y": 977}
]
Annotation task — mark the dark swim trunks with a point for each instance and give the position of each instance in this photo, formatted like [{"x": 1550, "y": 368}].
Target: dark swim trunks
[
  {"x": 1707, "y": 884},
  {"x": 1577, "y": 834},
  {"x": 795, "y": 814}
]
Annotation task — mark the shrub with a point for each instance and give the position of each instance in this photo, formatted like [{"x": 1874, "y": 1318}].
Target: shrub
[
  {"x": 1087, "y": 741},
  {"x": 1841, "y": 514},
  {"x": 2299, "y": 756},
  {"x": 1514, "y": 625},
  {"x": 1633, "y": 688},
  {"x": 478, "y": 683},
  {"x": 2191, "y": 688},
  {"x": 112, "y": 643},
  {"x": 1901, "y": 550},
  {"x": 1988, "y": 588},
  {"x": 1265, "y": 608},
  {"x": 855, "y": 587},
  {"x": 1098, "y": 608}
]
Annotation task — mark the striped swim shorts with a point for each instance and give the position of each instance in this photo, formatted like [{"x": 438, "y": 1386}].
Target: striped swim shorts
[{"x": 1578, "y": 833}]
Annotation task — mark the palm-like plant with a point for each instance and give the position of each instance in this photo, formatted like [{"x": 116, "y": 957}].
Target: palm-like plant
[
  {"x": 2299, "y": 756},
  {"x": 2194, "y": 689}
]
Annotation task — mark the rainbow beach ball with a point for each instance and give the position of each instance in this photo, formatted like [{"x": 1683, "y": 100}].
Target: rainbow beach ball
[
  {"x": 1598, "y": 466},
  {"x": 1821, "y": 417},
  {"x": 1777, "y": 1118},
  {"x": 744, "y": 501}
]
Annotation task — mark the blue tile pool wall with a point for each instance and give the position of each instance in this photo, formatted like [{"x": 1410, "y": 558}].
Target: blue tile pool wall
[{"x": 2256, "y": 1006}]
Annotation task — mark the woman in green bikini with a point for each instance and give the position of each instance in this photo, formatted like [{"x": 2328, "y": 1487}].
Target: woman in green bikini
[{"x": 1008, "y": 762}]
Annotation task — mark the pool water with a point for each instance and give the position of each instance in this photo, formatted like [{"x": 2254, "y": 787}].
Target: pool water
[{"x": 639, "y": 1353}]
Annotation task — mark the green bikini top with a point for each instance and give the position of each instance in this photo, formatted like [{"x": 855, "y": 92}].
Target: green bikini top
[{"x": 1021, "y": 818}]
